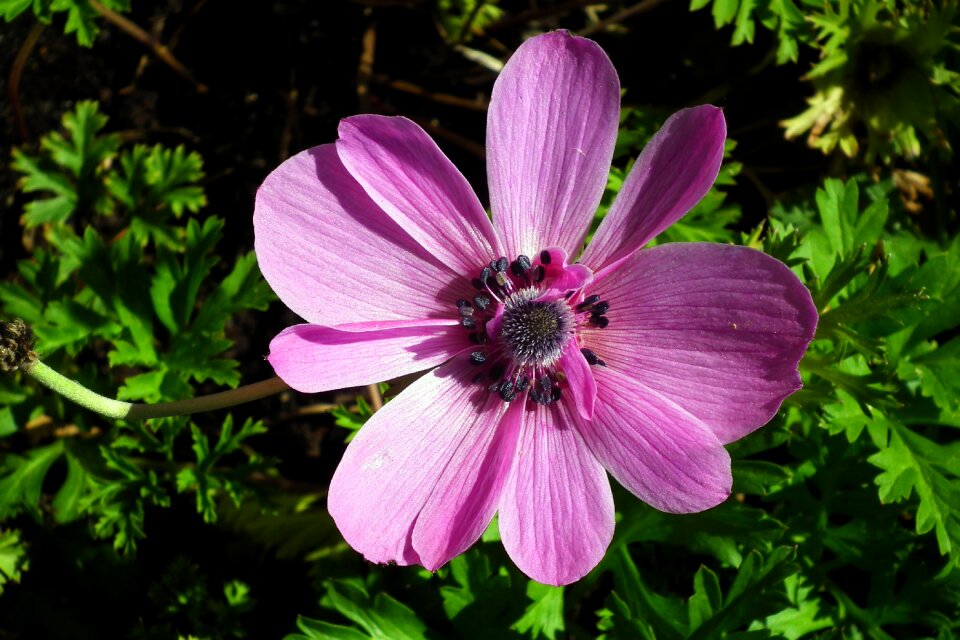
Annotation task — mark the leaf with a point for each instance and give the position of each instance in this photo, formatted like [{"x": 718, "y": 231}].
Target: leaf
[
  {"x": 381, "y": 617},
  {"x": 914, "y": 464},
  {"x": 81, "y": 19},
  {"x": 21, "y": 484},
  {"x": 543, "y": 616},
  {"x": 320, "y": 630},
  {"x": 13, "y": 557}
]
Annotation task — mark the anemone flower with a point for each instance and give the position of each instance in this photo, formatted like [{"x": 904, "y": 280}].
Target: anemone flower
[{"x": 547, "y": 368}]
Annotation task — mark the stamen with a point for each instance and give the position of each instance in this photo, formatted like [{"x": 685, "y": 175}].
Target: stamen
[
  {"x": 600, "y": 321},
  {"x": 600, "y": 308},
  {"x": 507, "y": 392},
  {"x": 545, "y": 257},
  {"x": 481, "y": 302},
  {"x": 468, "y": 323},
  {"x": 478, "y": 358},
  {"x": 588, "y": 302}
]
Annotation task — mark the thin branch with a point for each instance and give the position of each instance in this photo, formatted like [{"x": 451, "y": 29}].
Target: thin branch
[
  {"x": 16, "y": 72},
  {"x": 376, "y": 399},
  {"x": 441, "y": 98},
  {"x": 158, "y": 48},
  {"x": 637, "y": 9}
]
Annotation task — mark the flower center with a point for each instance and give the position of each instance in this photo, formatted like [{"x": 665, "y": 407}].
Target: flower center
[
  {"x": 526, "y": 318},
  {"x": 534, "y": 332}
]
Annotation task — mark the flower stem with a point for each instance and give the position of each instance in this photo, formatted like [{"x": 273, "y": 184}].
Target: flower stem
[{"x": 75, "y": 392}]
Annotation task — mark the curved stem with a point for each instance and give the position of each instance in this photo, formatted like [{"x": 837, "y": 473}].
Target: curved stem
[{"x": 75, "y": 392}]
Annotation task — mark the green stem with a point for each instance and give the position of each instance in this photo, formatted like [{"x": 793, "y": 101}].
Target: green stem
[{"x": 75, "y": 392}]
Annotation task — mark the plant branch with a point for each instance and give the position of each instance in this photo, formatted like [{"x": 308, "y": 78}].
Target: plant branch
[
  {"x": 158, "y": 48},
  {"x": 77, "y": 393}
]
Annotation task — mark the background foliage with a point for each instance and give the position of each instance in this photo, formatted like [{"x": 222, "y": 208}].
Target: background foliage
[{"x": 136, "y": 147}]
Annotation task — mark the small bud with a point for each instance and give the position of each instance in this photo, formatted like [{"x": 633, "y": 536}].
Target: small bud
[{"x": 16, "y": 346}]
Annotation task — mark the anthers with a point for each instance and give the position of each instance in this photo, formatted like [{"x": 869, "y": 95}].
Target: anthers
[{"x": 16, "y": 345}]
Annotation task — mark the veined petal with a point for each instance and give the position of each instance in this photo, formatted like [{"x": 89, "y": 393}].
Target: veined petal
[
  {"x": 556, "y": 510},
  {"x": 409, "y": 177},
  {"x": 718, "y": 329},
  {"x": 397, "y": 460},
  {"x": 311, "y": 358},
  {"x": 654, "y": 448},
  {"x": 675, "y": 170},
  {"x": 551, "y": 129},
  {"x": 333, "y": 256},
  {"x": 467, "y": 492},
  {"x": 582, "y": 385}
]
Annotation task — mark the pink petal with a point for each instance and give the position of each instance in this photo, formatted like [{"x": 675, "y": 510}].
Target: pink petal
[
  {"x": 398, "y": 459},
  {"x": 407, "y": 175},
  {"x": 333, "y": 256},
  {"x": 581, "y": 385},
  {"x": 718, "y": 329},
  {"x": 556, "y": 510},
  {"x": 311, "y": 358},
  {"x": 465, "y": 499},
  {"x": 674, "y": 171},
  {"x": 661, "y": 453},
  {"x": 551, "y": 128}
]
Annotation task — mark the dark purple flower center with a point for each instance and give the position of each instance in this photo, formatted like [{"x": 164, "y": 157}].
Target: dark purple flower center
[{"x": 524, "y": 320}]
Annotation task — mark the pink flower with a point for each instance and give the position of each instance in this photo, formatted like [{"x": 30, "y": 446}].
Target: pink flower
[{"x": 543, "y": 374}]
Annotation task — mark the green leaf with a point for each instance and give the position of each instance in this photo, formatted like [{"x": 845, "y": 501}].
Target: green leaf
[
  {"x": 13, "y": 557},
  {"x": 81, "y": 19},
  {"x": 320, "y": 630},
  {"x": 545, "y": 614},
  {"x": 381, "y": 617},
  {"x": 913, "y": 464},
  {"x": 21, "y": 484}
]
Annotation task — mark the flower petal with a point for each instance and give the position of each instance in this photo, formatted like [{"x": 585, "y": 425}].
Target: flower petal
[
  {"x": 311, "y": 358},
  {"x": 551, "y": 128},
  {"x": 333, "y": 256},
  {"x": 581, "y": 384},
  {"x": 556, "y": 510},
  {"x": 658, "y": 451},
  {"x": 718, "y": 329},
  {"x": 674, "y": 171},
  {"x": 467, "y": 492},
  {"x": 397, "y": 459},
  {"x": 407, "y": 175}
]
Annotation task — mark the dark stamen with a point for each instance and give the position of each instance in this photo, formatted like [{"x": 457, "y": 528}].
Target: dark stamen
[
  {"x": 601, "y": 363},
  {"x": 516, "y": 268},
  {"x": 590, "y": 356},
  {"x": 541, "y": 272},
  {"x": 524, "y": 262},
  {"x": 481, "y": 302},
  {"x": 478, "y": 357},
  {"x": 461, "y": 303},
  {"x": 500, "y": 264},
  {"x": 485, "y": 274},
  {"x": 545, "y": 257},
  {"x": 468, "y": 323},
  {"x": 600, "y": 321},
  {"x": 600, "y": 308},
  {"x": 522, "y": 384},
  {"x": 588, "y": 301},
  {"x": 545, "y": 382},
  {"x": 477, "y": 284},
  {"x": 506, "y": 391},
  {"x": 555, "y": 394},
  {"x": 466, "y": 310}
]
